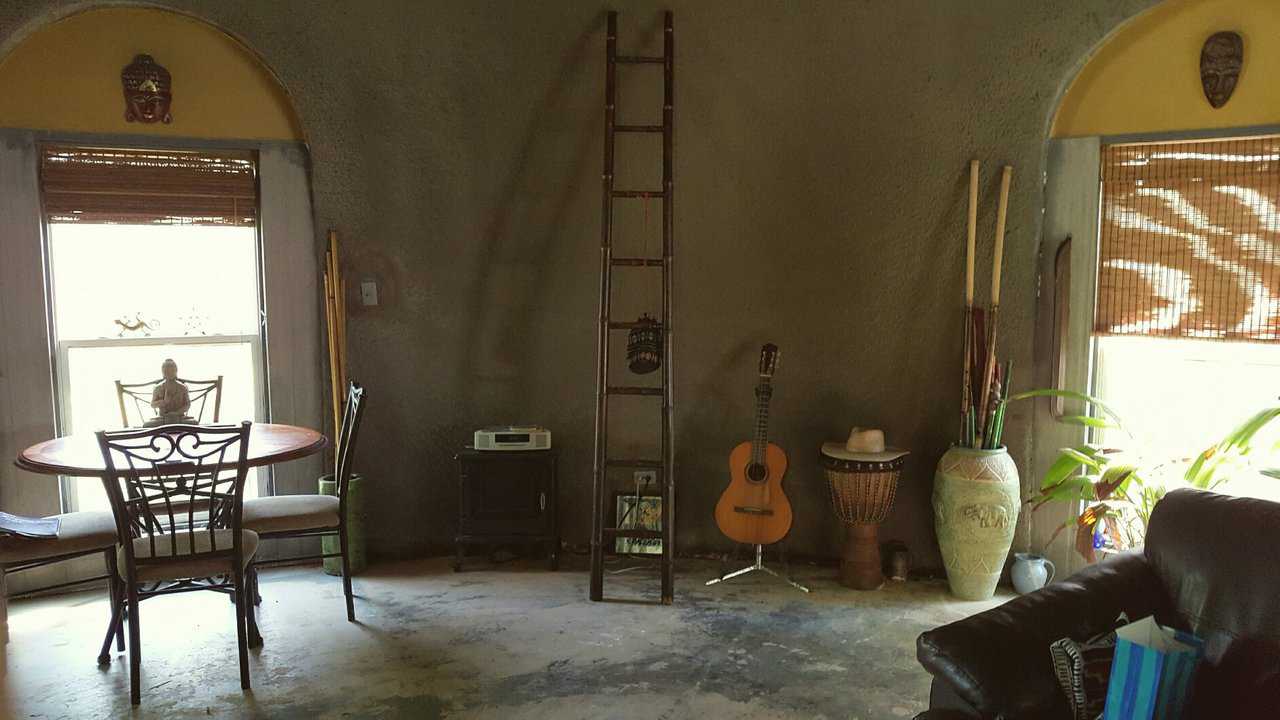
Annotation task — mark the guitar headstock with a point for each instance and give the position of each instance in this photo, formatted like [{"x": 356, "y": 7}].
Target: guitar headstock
[{"x": 770, "y": 356}]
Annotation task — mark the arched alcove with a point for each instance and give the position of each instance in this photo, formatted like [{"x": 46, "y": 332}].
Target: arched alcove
[
  {"x": 65, "y": 76},
  {"x": 1146, "y": 77}
]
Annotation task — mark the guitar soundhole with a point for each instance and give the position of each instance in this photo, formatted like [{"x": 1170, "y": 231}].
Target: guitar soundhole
[{"x": 757, "y": 472}]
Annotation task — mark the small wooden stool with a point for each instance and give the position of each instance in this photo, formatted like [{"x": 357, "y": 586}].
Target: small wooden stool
[{"x": 862, "y": 486}]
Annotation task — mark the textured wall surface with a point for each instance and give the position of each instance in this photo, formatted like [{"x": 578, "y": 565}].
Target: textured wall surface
[{"x": 822, "y": 154}]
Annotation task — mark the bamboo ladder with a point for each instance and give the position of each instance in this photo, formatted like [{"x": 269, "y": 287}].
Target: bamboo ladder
[{"x": 600, "y": 533}]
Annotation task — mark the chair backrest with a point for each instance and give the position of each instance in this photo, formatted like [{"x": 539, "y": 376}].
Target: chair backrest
[
  {"x": 352, "y": 413},
  {"x": 167, "y": 480},
  {"x": 199, "y": 392}
]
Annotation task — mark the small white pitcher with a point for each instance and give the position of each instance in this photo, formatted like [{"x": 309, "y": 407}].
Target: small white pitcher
[{"x": 1029, "y": 572}]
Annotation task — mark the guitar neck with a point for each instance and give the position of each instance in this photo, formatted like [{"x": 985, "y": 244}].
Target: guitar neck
[{"x": 760, "y": 441}]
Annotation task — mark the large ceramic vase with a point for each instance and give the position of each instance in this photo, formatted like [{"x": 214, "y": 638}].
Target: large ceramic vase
[{"x": 975, "y": 511}]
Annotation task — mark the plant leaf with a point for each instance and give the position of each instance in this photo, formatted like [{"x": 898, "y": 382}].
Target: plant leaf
[
  {"x": 1061, "y": 468},
  {"x": 1088, "y": 421},
  {"x": 1114, "y": 477},
  {"x": 1082, "y": 458},
  {"x": 1070, "y": 395}
]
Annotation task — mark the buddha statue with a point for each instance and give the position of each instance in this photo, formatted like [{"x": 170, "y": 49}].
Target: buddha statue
[
  {"x": 170, "y": 398},
  {"x": 148, "y": 91}
]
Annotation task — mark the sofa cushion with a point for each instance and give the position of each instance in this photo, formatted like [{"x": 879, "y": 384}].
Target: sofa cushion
[
  {"x": 285, "y": 513},
  {"x": 78, "y": 532}
]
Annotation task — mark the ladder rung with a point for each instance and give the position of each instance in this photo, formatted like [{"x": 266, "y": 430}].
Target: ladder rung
[
  {"x": 633, "y": 463},
  {"x": 632, "y": 324},
  {"x": 638, "y": 128},
  {"x": 638, "y": 193},
  {"x": 632, "y": 390},
  {"x": 640, "y": 59},
  {"x": 630, "y": 533},
  {"x": 636, "y": 262}
]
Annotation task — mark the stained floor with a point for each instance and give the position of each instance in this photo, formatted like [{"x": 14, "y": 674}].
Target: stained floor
[{"x": 507, "y": 641}]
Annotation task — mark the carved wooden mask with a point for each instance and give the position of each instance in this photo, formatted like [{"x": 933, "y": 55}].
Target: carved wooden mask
[
  {"x": 1220, "y": 63},
  {"x": 147, "y": 91}
]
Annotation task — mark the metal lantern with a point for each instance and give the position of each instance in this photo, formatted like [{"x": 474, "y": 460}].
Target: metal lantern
[
  {"x": 644, "y": 346},
  {"x": 862, "y": 487}
]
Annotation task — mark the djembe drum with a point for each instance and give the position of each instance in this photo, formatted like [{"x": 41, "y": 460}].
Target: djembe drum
[{"x": 862, "y": 486}]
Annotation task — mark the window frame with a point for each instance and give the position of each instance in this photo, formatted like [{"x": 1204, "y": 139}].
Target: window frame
[
  {"x": 1072, "y": 211},
  {"x": 67, "y": 499},
  {"x": 290, "y": 256}
]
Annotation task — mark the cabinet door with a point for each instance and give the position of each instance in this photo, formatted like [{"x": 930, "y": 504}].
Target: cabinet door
[{"x": 506, "y": 496}]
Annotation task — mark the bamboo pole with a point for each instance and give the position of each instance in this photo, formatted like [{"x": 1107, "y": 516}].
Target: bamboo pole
[
  {"x": 336, "y": 320},
  {"x": 331, "y": 332},
  {"x": 972, "y": 238},
  {"x": 966, "y": 388},
  {"x": 1006, "y": 177}
]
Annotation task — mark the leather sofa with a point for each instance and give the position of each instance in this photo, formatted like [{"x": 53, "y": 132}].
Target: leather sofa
[{"x": 1211, "y": 565}]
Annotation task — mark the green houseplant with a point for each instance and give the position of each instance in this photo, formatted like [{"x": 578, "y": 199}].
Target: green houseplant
[{"x": 1120, "y": 487}]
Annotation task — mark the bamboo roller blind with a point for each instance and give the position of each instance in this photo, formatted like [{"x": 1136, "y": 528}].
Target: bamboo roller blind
[
  {"x": 1190, "y": 240},
  {"x": 144, "y": 187}
]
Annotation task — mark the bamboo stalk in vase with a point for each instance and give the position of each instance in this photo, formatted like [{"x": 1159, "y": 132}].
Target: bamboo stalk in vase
[
  {"x": 1002, "y": 211},
  {"x": 966, "y": 387}
]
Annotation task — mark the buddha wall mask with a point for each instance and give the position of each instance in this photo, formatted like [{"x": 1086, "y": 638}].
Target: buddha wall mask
[
  {"x": 1221, "y": 59},
  {"x": 147, "y": 91}
]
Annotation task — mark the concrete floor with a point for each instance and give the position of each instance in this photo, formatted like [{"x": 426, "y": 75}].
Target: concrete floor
[{"x": 508, "y": 641}]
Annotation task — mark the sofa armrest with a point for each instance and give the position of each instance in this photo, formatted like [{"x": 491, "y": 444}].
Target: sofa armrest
[{"x": 998, "y": 661}]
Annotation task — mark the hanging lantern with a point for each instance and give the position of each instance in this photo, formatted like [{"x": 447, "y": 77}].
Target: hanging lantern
[{"x": 644, "y": 346}]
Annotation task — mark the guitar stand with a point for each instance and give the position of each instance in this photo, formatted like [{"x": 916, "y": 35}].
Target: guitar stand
[{"x": 759, "y": 565}]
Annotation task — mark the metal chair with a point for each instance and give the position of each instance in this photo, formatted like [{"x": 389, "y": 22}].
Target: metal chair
[
  {"x": 177, "y": 494},
  {"x": 139, "y": 395},
  {"x": 298, "y": 516},
  {"x": 79, "y": 534}
]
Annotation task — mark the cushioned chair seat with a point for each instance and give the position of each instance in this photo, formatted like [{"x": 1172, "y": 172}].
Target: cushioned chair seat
[
  {"x": 286, "y": 513},
  {"x": 79, "y": 532},
  {"x": 186, "y": 565}
]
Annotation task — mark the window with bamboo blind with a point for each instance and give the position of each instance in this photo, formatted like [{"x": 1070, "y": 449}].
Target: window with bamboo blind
[
  {"x": 1190, "y": 240},
  {"x": 149, "y": 187}
]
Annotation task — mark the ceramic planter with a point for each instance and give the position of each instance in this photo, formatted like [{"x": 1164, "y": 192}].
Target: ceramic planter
[{"x": 975, "y": 511}]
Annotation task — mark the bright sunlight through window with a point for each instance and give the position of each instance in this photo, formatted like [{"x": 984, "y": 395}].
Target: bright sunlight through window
[{"x": 126, "y": 297}]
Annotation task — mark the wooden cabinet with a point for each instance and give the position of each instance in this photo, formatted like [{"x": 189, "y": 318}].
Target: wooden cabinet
[{"x": 507, "y": 497}]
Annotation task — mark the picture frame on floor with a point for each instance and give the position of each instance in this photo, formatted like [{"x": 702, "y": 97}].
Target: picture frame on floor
[{"x": 637, "y": 511}]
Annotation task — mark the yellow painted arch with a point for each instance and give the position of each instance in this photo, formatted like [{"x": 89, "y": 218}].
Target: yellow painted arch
[
  {"x": 65, "y": 76},
  {"x": 1146, "y": 77}
]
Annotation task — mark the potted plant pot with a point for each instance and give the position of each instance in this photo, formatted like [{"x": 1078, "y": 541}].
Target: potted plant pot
[{"x": 975, "y": 512}]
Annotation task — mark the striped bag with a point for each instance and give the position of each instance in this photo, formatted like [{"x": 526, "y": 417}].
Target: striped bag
[{"x": 1152, "y": 672}]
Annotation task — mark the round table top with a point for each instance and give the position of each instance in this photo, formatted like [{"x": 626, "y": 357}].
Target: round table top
[{"x": 79, "y": 455}]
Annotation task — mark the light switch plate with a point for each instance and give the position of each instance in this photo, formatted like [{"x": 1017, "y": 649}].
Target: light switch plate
[{"x": 369, "y": 292}]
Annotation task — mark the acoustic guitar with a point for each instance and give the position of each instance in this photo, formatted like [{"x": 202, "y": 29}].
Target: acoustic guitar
[{"x": 753, "y": 509}]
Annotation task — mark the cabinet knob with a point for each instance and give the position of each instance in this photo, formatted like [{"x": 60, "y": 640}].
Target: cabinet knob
[{"x": 542, "y": 501}]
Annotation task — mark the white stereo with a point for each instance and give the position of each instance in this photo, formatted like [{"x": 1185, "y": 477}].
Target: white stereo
[{"x": 513, "y": 437}]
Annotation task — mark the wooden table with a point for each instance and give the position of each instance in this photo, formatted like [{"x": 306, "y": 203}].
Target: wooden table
[{"x": 79, "y": 455}]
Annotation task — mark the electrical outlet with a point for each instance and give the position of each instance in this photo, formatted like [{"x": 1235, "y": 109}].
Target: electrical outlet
[
  {"x": 645, "y": 477},
  {"x": 369, "y": 292}
]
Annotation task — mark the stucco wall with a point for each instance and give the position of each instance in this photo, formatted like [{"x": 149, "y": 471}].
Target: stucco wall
[{"x": 822, "y": 155}]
